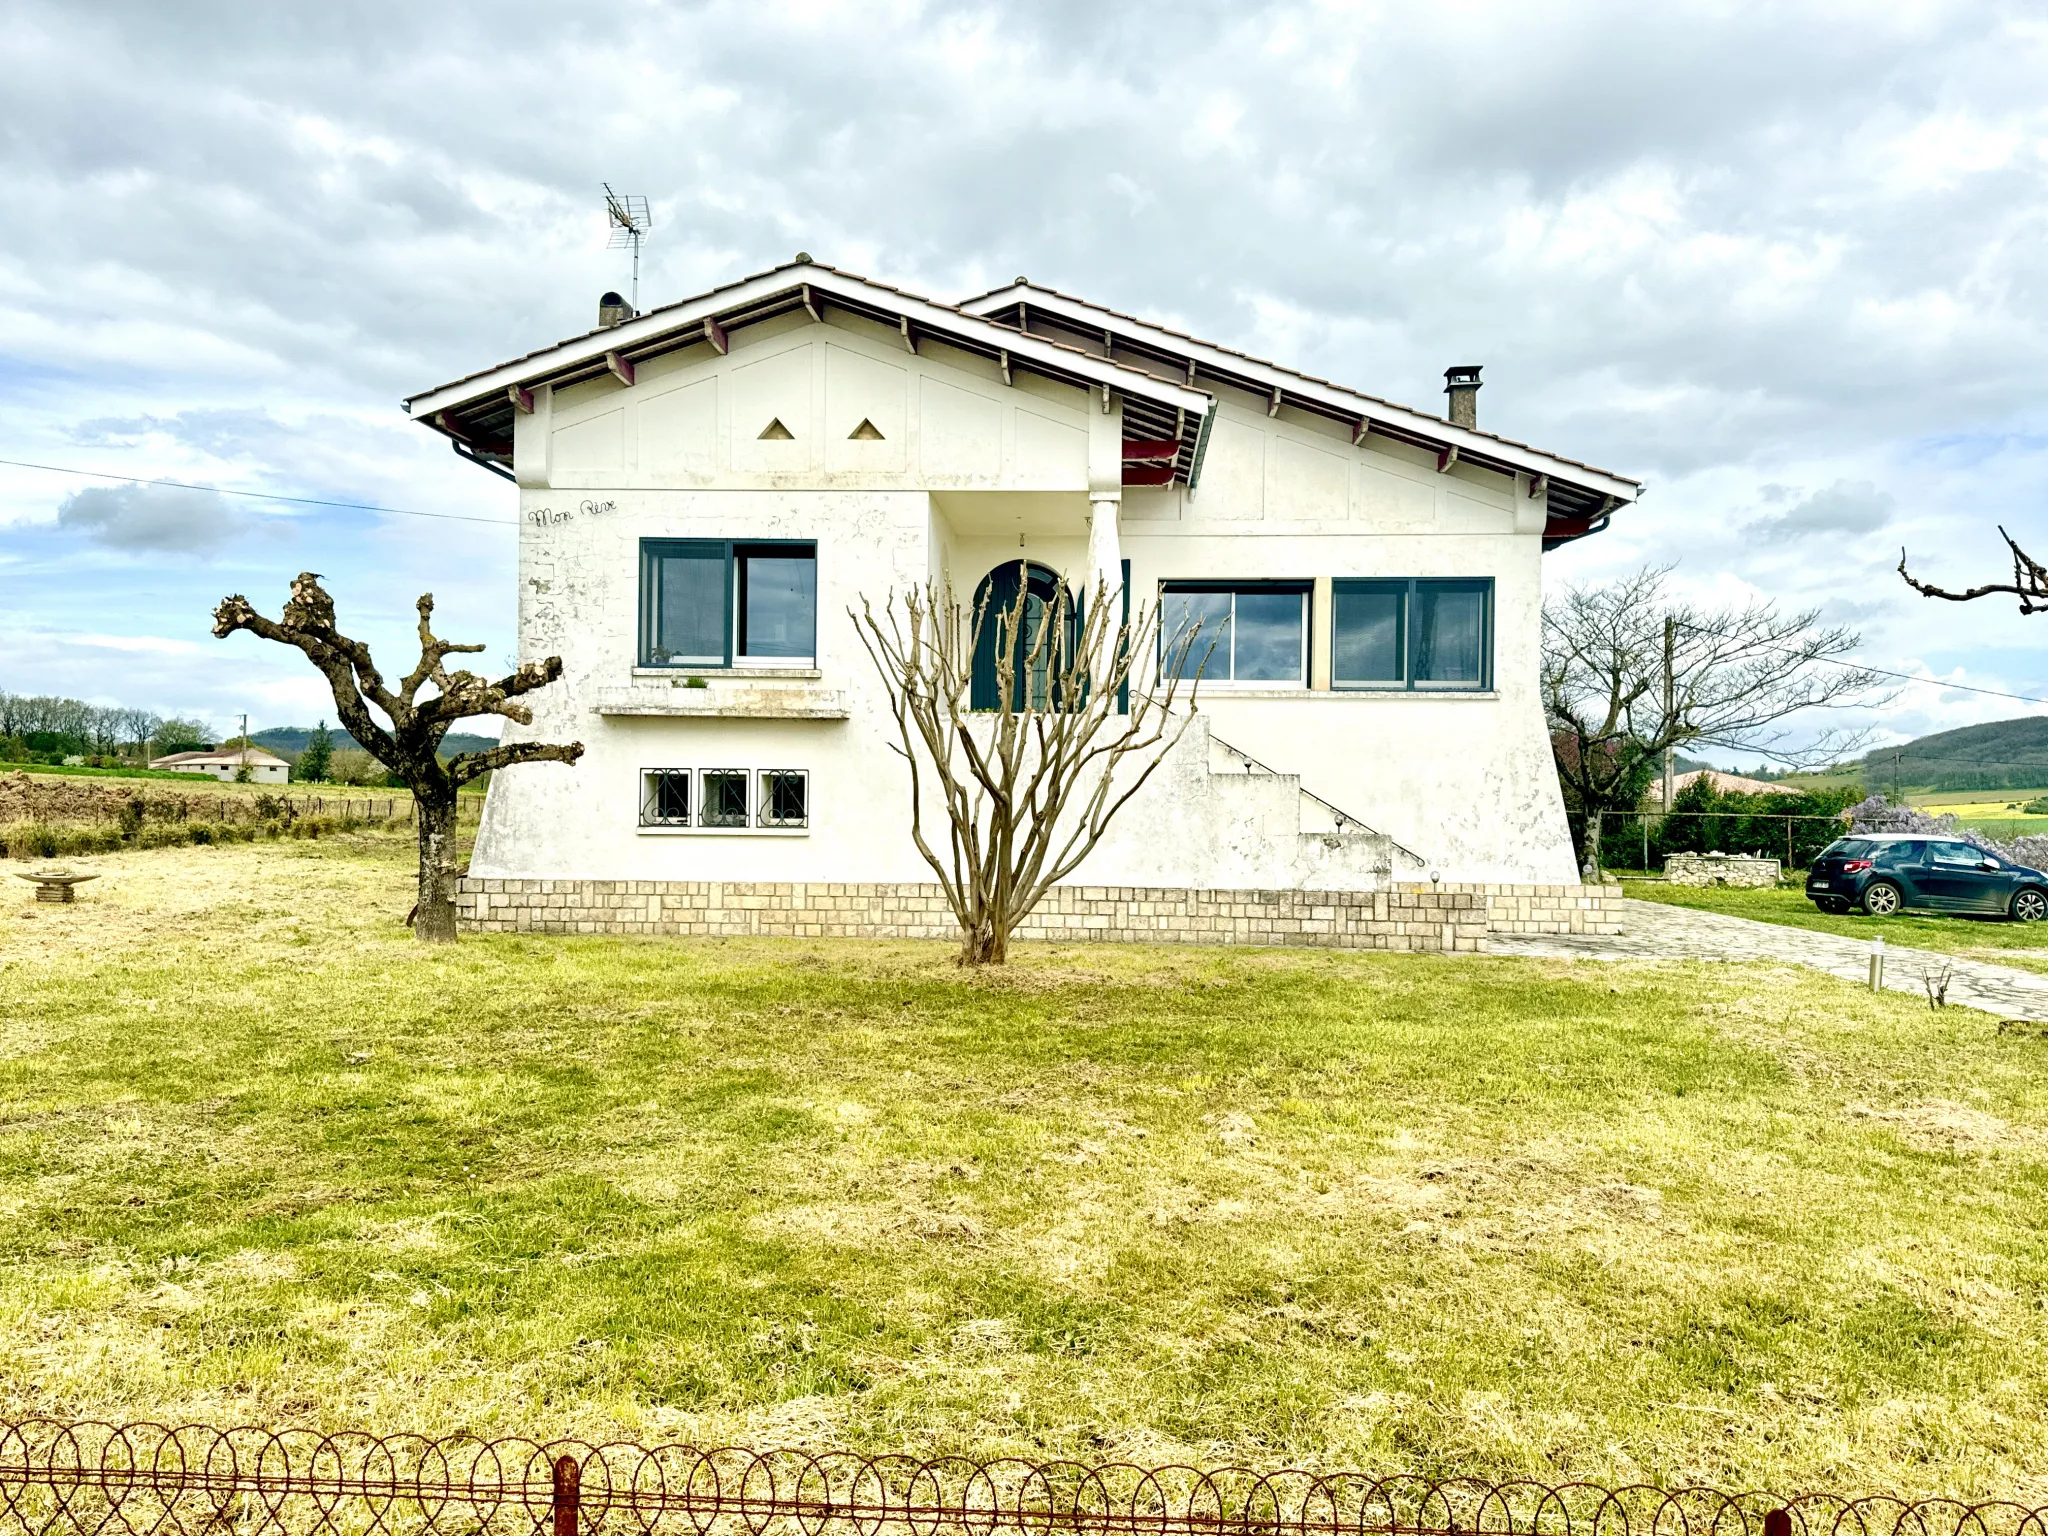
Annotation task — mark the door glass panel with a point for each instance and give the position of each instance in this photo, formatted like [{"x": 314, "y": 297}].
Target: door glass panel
[
  {"x": 1450, "y": 634},
  {"x": 1267, "y": 641},
  {"x": 688, "y": 603},
  {"x": 778, "y": 604},
  {"x": 1366, "y": 644}
]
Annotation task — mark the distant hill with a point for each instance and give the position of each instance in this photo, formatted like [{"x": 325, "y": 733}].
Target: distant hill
[
  {"x": 290, "y": 740},
  {"x": 2005, "y": 754}
]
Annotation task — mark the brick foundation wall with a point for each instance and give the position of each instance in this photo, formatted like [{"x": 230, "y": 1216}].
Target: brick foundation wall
[
  {"x": 1549, "y": 908},
  {"x": 1416, "y": 918}
]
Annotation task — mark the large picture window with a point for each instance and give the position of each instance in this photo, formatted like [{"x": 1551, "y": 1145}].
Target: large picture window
[
  {"x": 1412, "y": 634},
  {"x": 718, "y": 603},
  {"x": 1252, "y": 633}
]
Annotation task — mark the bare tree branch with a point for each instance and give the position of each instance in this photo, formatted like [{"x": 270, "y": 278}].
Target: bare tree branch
[
  {"x": 2029, "y": 581},
  {"x": 410, "y": 745},
  {"x": 1028, "y": 788},
  {"x": 1735, "y": 674}
]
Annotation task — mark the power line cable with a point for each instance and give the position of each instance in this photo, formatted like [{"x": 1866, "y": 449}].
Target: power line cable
[
  {"x": 302, "y": 501},
  {"x": 1858, "y": 666}
]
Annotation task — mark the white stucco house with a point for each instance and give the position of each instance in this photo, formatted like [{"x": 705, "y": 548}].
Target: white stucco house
[{"x": 706, "y": 489}]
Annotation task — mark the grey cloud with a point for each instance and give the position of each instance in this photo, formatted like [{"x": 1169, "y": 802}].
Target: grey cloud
[
  {"x": 153, "y": 517},
  {"x": 1715, "y": 246},
  {"x": 222, "y": 433},
  {"x": 1845, "y": 507}
]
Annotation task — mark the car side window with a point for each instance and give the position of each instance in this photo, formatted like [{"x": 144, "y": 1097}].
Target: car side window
[{"x": 1956, "y": 854}]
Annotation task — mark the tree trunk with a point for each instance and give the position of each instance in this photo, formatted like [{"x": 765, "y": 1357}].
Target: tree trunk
[
  {"x": 1589, "y": 867},
  {"x": 987, "y": 943},
  {"x": 434, "y": 917}
]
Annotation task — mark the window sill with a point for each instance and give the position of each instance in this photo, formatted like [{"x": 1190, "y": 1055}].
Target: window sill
[
  {"x": 745, "y": 699},
  {"x": 1345, "y": 695},
  {"x": 723, "y": 831},
  {"x": 674, "y": 675}
]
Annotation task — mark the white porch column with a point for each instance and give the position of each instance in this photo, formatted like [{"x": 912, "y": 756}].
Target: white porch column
[
  {"x": 1105, "y": 550},
  {"x": 1105, "y": 503},
  {"x": 1105, "y": 576}
]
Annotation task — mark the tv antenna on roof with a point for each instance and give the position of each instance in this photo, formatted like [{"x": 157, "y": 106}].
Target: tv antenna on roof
[{"x": 627, "y": 214}]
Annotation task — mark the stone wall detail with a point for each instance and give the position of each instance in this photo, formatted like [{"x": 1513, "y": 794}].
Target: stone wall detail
[
  {"x": 1739, "y": 869},
  {"x": 1438, "y": 919}
]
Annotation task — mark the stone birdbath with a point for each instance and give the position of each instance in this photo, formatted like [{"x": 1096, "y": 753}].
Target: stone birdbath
[{"x": 56, "y": 885}]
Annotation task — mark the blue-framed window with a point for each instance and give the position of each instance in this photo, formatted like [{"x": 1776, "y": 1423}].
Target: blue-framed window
[
  {"x": 1253, "y": 633},
  {"x": 726, "y": 602},
  {"x": 1435, "y": 635}
]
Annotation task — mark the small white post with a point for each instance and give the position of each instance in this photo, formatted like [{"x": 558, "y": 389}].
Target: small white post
[{"x": 1877, "y": 964}]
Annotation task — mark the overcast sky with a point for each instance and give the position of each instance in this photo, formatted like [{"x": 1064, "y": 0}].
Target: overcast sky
[{"x": 1783, "y": 261}]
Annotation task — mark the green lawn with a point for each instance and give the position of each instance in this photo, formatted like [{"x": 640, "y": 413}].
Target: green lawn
[
  {"x": 265, "y": 1160},
  {"x": 2019, "y": 944}
]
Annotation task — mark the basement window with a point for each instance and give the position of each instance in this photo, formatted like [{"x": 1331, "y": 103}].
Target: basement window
[
  {"x": 665, "y": 797},
  {"x": 734, "y": 801},
  {"x": 1247, "y": 633},
  {"x": 725, "y": 797},
  {"x": 785, "y": 797},
  {"x": 1412, "y": 634},
  {"x": 722, "y": 603}
]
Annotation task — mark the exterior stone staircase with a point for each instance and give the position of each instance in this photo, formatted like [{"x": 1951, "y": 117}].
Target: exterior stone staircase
[{"x": 1216, "y": 818}]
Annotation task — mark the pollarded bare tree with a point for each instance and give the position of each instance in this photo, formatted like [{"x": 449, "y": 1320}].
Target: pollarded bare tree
[
  {"x": 1629, "y": 674},
  {"x": 1028, "y": 783},
  {"x": 2029, "y": 581},
  {"x": 411, "y": 746}
]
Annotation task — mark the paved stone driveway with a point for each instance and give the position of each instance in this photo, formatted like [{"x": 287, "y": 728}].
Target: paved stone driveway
[{"x": 1653, "y": 931}]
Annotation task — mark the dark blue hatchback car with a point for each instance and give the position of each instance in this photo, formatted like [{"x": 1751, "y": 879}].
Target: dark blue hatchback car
[{"x": 1883, "y": 873}]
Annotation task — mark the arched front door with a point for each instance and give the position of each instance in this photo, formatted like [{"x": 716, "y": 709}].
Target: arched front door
[{"x": 1045, "y": 599}]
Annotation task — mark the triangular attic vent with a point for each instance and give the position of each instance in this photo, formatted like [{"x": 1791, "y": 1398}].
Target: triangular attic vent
[
  {"x": 776, "y": 432},
  {"x": 866, "y": 432}
]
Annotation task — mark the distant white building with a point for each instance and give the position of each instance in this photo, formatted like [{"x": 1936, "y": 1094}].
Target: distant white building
[
  {"x": 225, "y": 763},
  {"x": 706, "y": 489}
]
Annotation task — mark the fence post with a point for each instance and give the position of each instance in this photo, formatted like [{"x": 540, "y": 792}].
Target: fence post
[
  {"x": 1778, "y": 1522},
  {"x": 568, "y": 1495},
  {"x": 1645, "y": 820}
]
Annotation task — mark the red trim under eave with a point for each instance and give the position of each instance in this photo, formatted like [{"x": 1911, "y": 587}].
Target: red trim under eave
[
  {"x": 1148, "y": 474},
  {"x": 1562, "y": 530},
  {"x": 446, "y": 421}
]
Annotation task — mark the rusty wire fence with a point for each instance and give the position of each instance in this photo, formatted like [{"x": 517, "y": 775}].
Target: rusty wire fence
[{"x": 60, "y": 1479}]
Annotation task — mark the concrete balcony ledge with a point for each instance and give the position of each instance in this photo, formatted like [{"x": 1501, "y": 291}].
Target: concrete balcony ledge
[{"x": 738, "y": 699}]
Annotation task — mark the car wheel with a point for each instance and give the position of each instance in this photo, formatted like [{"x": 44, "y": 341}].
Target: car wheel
[
  {"x": 2029, "y": 906},
  {"x": 1882, "y": 899}
]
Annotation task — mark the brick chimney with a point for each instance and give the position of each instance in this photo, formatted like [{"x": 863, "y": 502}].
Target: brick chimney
[
  {"x": 613, "y": 310},
  {"x": 1462, "y": 385}
]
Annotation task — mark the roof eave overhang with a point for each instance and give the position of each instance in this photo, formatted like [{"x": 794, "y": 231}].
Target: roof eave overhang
[
  {"x": 472, "y": 411},
  {"x": 1387, "y": 419}
]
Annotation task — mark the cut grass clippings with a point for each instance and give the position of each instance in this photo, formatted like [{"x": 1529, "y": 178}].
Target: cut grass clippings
[{"x": 267, "y": 1160}]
